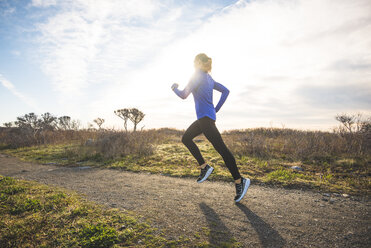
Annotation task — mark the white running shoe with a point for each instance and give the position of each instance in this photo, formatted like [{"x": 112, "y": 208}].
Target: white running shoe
[
  {"x": 241, "y": 189},
  {"x": 205, "y": 173}
]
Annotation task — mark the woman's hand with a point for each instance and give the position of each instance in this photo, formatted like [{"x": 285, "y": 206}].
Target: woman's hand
[{"x": 174, "y": 86}]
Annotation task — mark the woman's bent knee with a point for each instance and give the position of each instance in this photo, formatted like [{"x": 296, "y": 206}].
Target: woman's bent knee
[{"x": 186, "y": 140}]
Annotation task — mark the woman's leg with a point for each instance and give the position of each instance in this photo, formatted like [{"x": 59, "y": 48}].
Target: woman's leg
[
  {"x": 211, "y": 132},
  {"x": 192, "y": 131}
]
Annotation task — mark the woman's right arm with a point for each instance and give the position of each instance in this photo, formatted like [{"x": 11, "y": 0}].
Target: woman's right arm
[
  {"x": 182, "y": 93},
  {"x": 192, "y": 84}
]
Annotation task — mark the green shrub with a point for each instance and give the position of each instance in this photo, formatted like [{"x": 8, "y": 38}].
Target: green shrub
[
  {"x": 55, "y": 201},
  {"x": 98, "y": 236},
  {"x": 6, "y": 181},
  {"x": 12, "y": 189},
  {"x": 281, "y": 175},
  {"x": 80, "y": 211},
  {"x": 27, "y": 205}
]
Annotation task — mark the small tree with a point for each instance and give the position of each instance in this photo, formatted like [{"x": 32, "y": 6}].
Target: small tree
[
  {"x": 125, "y": 115},
  {"x": 29, "y": 122},
  {"x": 346, "y": 120},
  {"x": 353, "y": 123},
  {"x": 136, "y": 116},
  {"x": 8, "y": 124},
  {"x": 64, "y": 122},
  {"x": 99, "y": 122},
  {"x": 357, "y": 131},
  {"x": 48, "y": 121}
]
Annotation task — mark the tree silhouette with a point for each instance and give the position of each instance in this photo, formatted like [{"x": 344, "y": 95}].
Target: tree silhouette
[
  {"x": 8, "y": 124},
  {"x": 99, "y": 122},
  {"x": 136, "y": 116},
  {"x": 346, "y": 120},
  {"x": 28, "y": 121},
  {"x": 354, "y": 123},
  {"x": 125, "y": 115},
  {"x": 64, "y": 122},
  {"x": 48, "y": 121}
]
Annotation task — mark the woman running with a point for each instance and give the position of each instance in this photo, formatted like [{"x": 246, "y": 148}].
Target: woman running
[{"x": 201, "y": 85}]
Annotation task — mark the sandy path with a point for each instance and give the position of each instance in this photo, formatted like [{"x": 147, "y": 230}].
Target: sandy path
[{"x": 266, "y": 217}]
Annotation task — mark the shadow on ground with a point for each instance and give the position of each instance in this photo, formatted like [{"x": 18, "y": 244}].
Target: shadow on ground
[
  {"x": 220, "y": 235},
  {"x": 267, "y": 235}
]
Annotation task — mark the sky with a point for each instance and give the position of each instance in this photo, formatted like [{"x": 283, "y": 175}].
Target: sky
[{"x": 287, "y": 63}]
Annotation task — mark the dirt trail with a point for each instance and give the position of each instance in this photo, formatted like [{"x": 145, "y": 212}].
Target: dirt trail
[{"x": 266, "y": 217}]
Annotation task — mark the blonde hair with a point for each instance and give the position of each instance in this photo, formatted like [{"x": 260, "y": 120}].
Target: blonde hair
[{"x": 203, "y": 62}]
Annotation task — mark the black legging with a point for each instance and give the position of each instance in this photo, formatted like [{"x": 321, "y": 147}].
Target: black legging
[{"x": 207, "y": 126}]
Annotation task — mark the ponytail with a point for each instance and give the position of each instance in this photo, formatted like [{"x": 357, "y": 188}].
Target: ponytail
[{"x": 203, "y": 62}]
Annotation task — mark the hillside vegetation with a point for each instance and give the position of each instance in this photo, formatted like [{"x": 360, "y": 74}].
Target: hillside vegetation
[{"x": 327, "y": 161}]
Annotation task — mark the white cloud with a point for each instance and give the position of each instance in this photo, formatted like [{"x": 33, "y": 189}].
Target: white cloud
[
  {"x": 43, "y": 3},
  {"x": 8, "y": 85},
  {"x": 267, "y": 49},
  {"x": 83, "y": 32}
]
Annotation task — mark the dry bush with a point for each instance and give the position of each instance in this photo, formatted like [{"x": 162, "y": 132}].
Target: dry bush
[
  {"x": 114, "y": 144},
  {"x": 15, "y": 137},
  {"x": 295, "y": 144},
  {"x": 92, "y": 143},
  {"x": 356, "y": 130}
]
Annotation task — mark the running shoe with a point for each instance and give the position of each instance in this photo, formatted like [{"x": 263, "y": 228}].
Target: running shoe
[
  {"x": 205, "y": 173},
  {"x": 241, "y": 189}
]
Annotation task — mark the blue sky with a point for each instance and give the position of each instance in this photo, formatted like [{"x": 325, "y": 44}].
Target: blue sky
[{"x": 291, "y": 63}]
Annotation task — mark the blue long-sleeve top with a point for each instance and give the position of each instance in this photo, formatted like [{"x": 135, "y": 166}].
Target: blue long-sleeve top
[{"x": 201, "y": 85}]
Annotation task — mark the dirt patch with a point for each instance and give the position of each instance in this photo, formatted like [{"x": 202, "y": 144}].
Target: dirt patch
[{"x": 266, "y": 217}]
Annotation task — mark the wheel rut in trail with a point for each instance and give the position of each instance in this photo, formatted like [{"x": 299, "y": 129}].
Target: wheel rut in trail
[{"x": 266, "y": 217}]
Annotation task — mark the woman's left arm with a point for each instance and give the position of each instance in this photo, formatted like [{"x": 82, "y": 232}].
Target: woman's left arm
[{"x": 225, "y": 92}]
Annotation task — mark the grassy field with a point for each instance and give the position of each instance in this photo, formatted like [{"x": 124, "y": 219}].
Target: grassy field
[
  {"x": 342, "y": 174},
  {"x": 36, "y": 215}
]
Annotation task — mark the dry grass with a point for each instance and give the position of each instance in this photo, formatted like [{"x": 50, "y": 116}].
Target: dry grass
[
  {"x": 295, "y": 145},
  {"x": 116, "y": 144},
  {"x": 15, "y": 137},
  {"x": 100, "y": 143}
]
